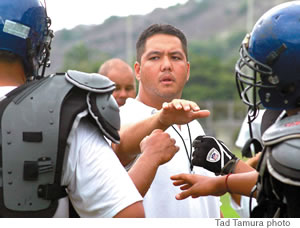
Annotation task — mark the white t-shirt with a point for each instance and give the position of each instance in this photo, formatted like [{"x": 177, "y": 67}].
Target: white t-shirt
[
  {"x": 5, "y": 90},
  {"x": 244, "y": 133},
  {"x": 98, "y": 185},
  {"x": 160, "y": 202},
  {"x": 243, "y": 208}
]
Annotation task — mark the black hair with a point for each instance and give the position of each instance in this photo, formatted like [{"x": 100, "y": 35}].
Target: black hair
[{"x": 159, "y": 29}]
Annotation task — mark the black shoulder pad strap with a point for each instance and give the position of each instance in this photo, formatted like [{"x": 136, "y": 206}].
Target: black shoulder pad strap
[{"x": 246, "y": 150}]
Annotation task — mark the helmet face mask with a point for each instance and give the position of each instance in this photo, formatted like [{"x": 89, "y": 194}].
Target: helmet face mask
[
  {"x": 24, "y": 31},
  {"x": 268, "y": 71},
  {"x": 249, "y": 77}
]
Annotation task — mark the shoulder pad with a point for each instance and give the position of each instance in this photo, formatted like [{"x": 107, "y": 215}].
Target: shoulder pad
[
  {"x": 104, "y": 109},
  {"x": 90, "y": 81},
  {"x": 283, "y": 129},
  {"x": 287, "y": 153},
  {"x": 101, "y": 104},
  {"x": 283, "y": 161},
  {"x": 30, "y": 140}
]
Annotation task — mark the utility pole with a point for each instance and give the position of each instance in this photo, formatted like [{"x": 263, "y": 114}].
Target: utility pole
[
  {"x": 250, "y": 16},
  {"x": 129, "y": 55}
]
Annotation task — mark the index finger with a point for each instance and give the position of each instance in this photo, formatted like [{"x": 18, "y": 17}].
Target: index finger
[
  {"x": 181, "y": 176},
  {"x": 201, "y": 114},
  {"x": 183, "y": 195}
]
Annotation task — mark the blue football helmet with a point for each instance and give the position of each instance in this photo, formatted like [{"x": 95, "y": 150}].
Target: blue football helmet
[
  {"x": 24, "y": 31},
  {"x": 268, "y": 71}
]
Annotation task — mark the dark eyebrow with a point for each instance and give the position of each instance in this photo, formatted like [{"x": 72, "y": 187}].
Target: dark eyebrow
[
  {"x": 177, "y": 53},
  {"x": 153, "y": 53},
  {"x": 171, "y": 53}
]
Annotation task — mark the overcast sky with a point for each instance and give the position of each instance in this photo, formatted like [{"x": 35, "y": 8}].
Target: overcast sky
[{"x": 69, "y": 13}]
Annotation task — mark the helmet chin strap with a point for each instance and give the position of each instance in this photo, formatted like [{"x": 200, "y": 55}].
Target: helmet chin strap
[
  {"x": 251, "y": 142},
  {"x": 45, "y": 61},
  {"x": 39, "y": 59}
]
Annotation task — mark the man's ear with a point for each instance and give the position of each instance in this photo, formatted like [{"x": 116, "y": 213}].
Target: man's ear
[
  {"x": 137, "y": 70},
  {"x": 188, "y": 71}
]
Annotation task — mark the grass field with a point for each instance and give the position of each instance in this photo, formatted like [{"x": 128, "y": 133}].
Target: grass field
[{"x": 226, "y": 209}]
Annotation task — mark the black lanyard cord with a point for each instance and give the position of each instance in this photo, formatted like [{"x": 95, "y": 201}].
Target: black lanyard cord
[{"x": 189, "y": 155}]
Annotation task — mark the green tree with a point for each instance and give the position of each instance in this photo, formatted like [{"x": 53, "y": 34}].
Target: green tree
[
  {"x": 82, "y": 58},
  {"x": 212, "y": 68},
  {"x": 210, "y": 79}
]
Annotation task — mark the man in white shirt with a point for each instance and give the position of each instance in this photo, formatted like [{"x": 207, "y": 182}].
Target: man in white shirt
[{"x": 162, "y": 69}]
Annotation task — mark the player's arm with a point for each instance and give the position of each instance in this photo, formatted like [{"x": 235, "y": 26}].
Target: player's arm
[
  {"x": 131, "y": 136},
  {"x": 175, "y": 112},
  {"x": 215, "y": 156},
  {"x": 158, "y": 148},
  {"x": 240, "y": 168},
  {"x": 135, "y": 210},
  {"x": 196, "y": 185}
]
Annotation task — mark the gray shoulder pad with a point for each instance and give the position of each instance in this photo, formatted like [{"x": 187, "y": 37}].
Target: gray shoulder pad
[
  {"x": 283, "y": 129},
  {"x": 90, "y": 81},
  {"x": 105, "y": 111},
  {"x": 283, "y": 161},
  {"x": 30, "y": 130},
  {"x": 287, "y": 153}
]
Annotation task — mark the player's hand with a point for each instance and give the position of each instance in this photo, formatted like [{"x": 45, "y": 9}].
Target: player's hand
[
  {"x": 159, "y": 147},
  {"x": 213, "y": 155},
  {"x": 196, "y": 185},
  {"x": 180, "y": 111}
]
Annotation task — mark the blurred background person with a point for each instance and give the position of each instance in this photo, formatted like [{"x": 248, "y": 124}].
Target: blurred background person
[
  {"x": 122, "y": 74},
  {"x": 244, "y": 133}
]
